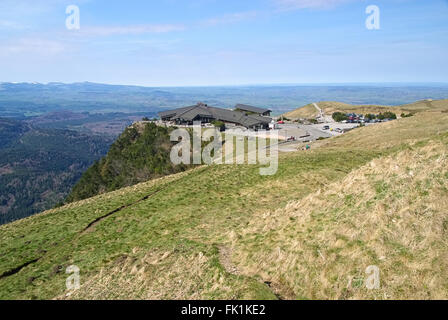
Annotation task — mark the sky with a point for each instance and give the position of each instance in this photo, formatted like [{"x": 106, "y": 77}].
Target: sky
[{"x": 223, "y": 42}]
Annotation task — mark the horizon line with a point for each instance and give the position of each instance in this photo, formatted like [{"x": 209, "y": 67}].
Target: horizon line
[{"x": 286, "y": 84}]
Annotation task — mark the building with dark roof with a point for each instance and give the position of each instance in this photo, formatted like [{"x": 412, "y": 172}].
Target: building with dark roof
[
  {"x": 254, "y": 110},
  {"x": 206, "y": 114}
]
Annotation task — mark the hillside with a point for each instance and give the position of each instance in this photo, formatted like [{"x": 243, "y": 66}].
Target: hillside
[
  {"x": 141, "y": 153},
  {"x": 329, "y": 107},
  {"x": 38, "y": 167},
  {"x": 374, "y": 196}
]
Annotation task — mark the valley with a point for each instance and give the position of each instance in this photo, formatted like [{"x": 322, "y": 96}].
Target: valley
[{"x": 38, "y": 166}]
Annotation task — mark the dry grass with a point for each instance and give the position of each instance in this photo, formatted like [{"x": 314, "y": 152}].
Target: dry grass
[
  {"x": 390, "y": 213},
  {"x": 391, "y": 134},
  {"x": 329, "y": 107},
  {"x": 305, "y": 112},
  {"x": 156, "y": 275},
  {"x": 167, "y": 275}
]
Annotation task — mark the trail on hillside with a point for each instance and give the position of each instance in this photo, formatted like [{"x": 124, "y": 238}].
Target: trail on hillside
[
  {"x": 17, "y": 269},
  {"x": 95, "y": 222},
  {"x": 91, "y": 226}
]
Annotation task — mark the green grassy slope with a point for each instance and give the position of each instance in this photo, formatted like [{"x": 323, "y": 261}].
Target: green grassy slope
[
  {"x": 329, "y": 107},
  {"x": 227, "y": 232}
]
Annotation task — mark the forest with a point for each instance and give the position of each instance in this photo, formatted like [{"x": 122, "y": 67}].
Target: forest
[{"x": 38, "y": 167}]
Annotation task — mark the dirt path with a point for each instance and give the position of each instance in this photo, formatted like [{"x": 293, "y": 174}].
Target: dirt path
[
  {"x": 91, "y": 226},
  {"x": 322, "y": 116},
  {"x": 321, "y": 113},
  {"x": 225, "y": 258}
]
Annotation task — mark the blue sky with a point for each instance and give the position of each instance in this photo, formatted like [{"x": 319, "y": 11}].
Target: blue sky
[{"x": 217, "y": 42}]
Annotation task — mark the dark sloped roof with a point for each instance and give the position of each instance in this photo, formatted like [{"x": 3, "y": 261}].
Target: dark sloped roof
[
  {"x": 191, "y": 112},
  {"x": 250, "y": 120},
  {"x": 174, "y": 112},
  {"x": 227, "y": 115},
  {"x": 259, "y": 118},
  {"x": 246, "y": 107}
]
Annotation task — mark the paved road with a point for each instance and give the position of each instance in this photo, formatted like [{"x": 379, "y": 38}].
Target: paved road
[
  {"x": 315, "y": 132},
  {"x": 336, "y": 125},
  {"x": 291, "y": 130},
  {"x": 300, "y": 130}
]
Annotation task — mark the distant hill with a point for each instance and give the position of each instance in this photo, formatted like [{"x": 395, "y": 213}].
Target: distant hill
[
  {"x": 329, "y": 107},
  {"x": 10, "y": 131},
  {"x": 30, "y": 99},
  {"x": 375, "y": 196},
  {"x": 141, "y": 153},
  {"x": 58, "y": 116},
  {"x": 110, "y": 123},
  {"x": 38, "y": 167}
]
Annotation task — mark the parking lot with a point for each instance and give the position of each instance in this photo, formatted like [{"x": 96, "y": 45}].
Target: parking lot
[
  {"x": 303, "y": 132},
  {"x": 333, "y": 126}
]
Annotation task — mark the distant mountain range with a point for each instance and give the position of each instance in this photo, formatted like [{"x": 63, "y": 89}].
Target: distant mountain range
[{"x": 28, "y": 99}]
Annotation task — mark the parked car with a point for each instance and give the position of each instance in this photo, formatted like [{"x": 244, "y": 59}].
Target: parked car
[
  {"x": 281, "y": 122},
  {"x": 326, "y": 128}
]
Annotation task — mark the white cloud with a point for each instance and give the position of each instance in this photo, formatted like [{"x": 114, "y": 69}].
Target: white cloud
[
  {"x": 20, "y": 9},
  {"x": 7, "y": 24},
  {"x": 32, "y": 46},
  {"x": 128, "y": 30},
  {"x": 308, "y": 4},
  {"x": 230, "y": 18}
]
